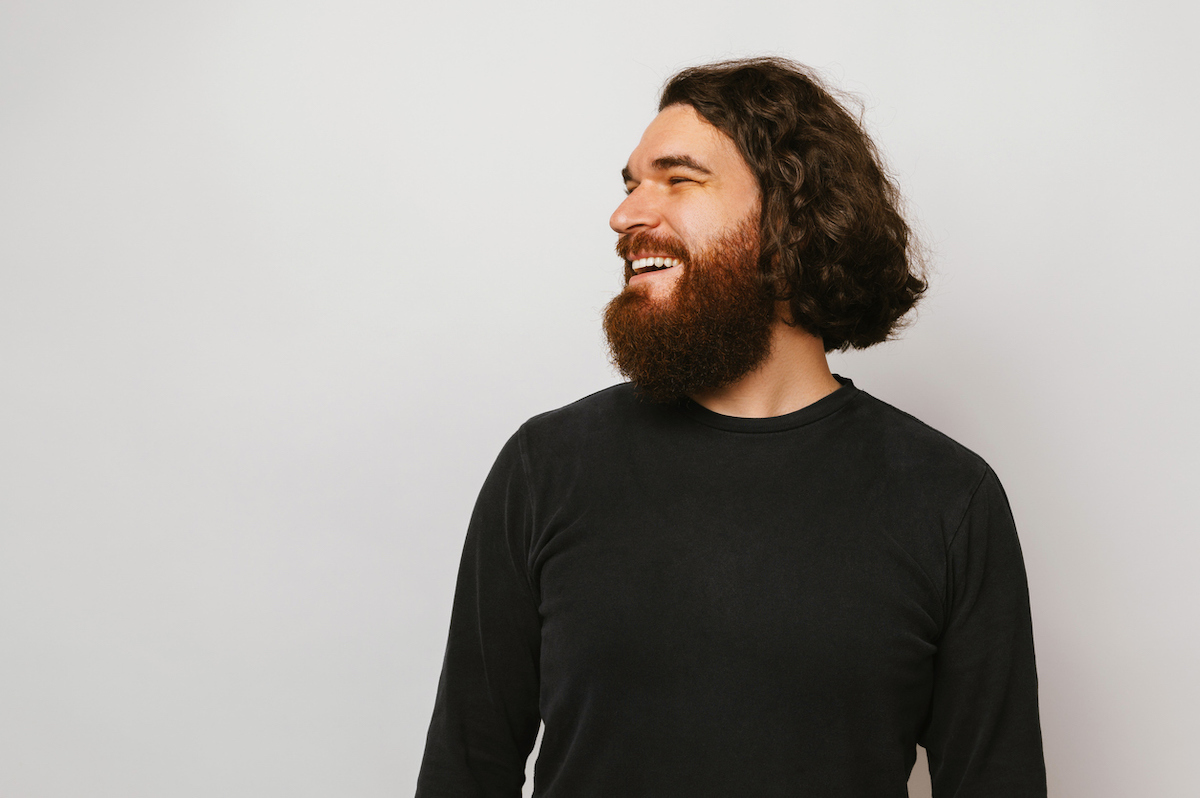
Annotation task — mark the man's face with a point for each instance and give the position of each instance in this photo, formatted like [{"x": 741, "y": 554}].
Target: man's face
[
  {"x": 687, "y": 187},
  {"x": 702, "y": 322}
]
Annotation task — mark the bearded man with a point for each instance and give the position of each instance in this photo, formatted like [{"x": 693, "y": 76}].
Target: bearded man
[{"x": 738, "y": 574}]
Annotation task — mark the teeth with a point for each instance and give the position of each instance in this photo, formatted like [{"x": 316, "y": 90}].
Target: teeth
[{"x": 658, "y": 262}]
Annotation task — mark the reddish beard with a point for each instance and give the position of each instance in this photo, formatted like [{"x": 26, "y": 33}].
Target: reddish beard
[{"x": 712, "y": 329}]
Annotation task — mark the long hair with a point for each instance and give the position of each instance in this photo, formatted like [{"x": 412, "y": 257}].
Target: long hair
[{"x": 834, "y": 245}]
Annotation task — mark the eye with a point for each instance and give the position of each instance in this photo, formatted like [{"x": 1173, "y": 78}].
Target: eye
[{"x": 677, "y": 179}]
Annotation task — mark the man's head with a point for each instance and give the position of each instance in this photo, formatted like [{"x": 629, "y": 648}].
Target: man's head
[
  {"x": 760, "y": 143},
  {"x": 692, "y": 316}
]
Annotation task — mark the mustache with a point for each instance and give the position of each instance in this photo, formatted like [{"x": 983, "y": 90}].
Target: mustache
[{"x": 630, "y": 244}]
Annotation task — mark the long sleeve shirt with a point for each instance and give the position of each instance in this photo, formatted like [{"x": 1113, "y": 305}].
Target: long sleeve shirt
[{"x": 701, "y": 605}]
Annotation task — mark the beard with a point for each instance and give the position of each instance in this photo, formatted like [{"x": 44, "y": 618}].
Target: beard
[{"x": 712, "y": 329}]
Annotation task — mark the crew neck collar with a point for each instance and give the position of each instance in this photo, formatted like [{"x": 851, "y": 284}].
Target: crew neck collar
[{"x": 824, "y": 406}]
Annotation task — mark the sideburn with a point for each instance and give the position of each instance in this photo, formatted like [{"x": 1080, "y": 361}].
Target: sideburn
[{"x": 713, "y": 329}]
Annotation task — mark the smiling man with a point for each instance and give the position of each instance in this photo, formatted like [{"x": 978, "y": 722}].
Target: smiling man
[{"x": 738, "y": 574}]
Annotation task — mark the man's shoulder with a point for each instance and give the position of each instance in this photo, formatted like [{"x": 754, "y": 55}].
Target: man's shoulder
[
  {"x": 595, "y": 414},
  {"x": 599, "y": 405},
  {"x": 584, "y": 433},
  {"x": 909, "y": 444}
]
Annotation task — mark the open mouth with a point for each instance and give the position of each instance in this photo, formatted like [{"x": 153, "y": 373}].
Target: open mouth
[{"x": 646, "y": 265}]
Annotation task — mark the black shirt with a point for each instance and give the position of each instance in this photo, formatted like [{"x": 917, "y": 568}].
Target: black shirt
[{"x": 701, "y": 605}]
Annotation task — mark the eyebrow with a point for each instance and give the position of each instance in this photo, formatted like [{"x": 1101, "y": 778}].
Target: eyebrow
[{"x": 671, "y": 162}]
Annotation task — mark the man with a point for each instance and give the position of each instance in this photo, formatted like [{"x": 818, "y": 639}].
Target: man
[{"x": 739, "y": 575}]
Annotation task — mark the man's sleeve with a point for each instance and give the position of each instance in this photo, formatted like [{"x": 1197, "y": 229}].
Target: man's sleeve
[
  {"x": 485, "y": 718},
  {"x": 983, "y": 736}
]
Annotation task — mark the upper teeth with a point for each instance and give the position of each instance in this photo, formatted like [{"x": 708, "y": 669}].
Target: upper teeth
[{"x": 646, "y": 263}]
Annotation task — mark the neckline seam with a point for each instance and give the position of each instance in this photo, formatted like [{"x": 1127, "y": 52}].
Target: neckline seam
[{"x": 803, "y": 417}]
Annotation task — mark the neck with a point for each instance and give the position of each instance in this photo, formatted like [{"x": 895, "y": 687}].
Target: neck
[{"x": 794, "y": 375}]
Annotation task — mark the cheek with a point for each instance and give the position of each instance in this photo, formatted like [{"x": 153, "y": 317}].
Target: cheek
[{"x": 701, "y": 226}]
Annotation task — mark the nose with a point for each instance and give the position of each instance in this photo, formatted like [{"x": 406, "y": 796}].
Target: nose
[{"x": 638, "y": 211}]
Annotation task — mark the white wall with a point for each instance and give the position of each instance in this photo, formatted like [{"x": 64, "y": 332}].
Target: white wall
[{"x": 277, "y": 279}]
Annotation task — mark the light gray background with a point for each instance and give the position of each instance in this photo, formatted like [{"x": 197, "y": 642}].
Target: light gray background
[{"x": 277, "y": 279}]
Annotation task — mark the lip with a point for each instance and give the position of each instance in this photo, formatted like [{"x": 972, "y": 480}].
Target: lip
[{"x": 653, "y": 280}]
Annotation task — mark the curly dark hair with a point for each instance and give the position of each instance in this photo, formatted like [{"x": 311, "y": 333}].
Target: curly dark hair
[{"x": 834, "y": 244}]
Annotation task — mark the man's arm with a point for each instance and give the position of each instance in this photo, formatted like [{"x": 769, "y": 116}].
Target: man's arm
[
  {"x": 485, "y": 718},
  {"x": 983, "y": 736}
]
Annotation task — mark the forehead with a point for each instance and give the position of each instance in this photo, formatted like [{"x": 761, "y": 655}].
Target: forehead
[{"x": 679, "y": 131}]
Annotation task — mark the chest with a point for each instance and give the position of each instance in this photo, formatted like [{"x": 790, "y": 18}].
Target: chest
[{"x": 678, "y": 585}]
